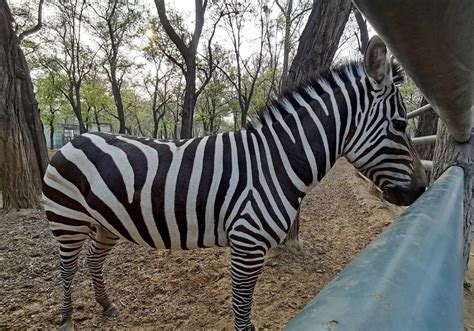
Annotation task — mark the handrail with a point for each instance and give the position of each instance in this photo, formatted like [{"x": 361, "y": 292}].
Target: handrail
[
  {"x": 419, "y": 111},
  {"x": 424, "y": 140},
  {"x": 427, "y": 164},
  {"x": 410, "y": 278}
]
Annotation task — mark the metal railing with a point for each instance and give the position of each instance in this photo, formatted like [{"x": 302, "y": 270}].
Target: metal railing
[
  {"x": 424, "y": 140},
  {"x": 419, "y": 111},
  {"x": 427, "y": 164},
  {"x": 410, "y": 278}
]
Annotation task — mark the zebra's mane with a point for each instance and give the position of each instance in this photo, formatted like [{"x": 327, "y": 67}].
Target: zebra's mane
[{"x": 344, "y": 72}]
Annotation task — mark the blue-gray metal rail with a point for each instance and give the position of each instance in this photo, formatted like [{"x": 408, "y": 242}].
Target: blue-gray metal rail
[{"x": 409, "y": 279}]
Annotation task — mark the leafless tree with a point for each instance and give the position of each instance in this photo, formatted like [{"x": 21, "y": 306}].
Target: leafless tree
[
  {"x": 72, "y": 56},
  {"x": 247, "y": 69},
  {"x": 188, "y": 52},
  {"x": 114, "y": 30}
]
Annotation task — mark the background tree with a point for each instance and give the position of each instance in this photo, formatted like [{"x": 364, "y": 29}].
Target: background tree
[
  {"x": 188, "y": 52},
  {"x": 52, "y": 102},
  {"x": 292, "y": 13},
  {"x": 243, "y": 75},
  {"x": 97, "y": 101},
  {"x": 63, "y": 52},
  {"x": 115, "y": 24},
  {"x": 213, "y": 105},
  {"x": 157, "y": 82},
  {"x": 23, "y": 155}
]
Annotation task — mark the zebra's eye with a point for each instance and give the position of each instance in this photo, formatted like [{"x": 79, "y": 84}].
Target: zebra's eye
[{"x": 400, "y": 125}]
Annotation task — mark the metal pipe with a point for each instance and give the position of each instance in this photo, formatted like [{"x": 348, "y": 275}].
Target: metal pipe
[
  {"x": 423, "y": 140},
  {"x": 427, "y": 164},
  {"x": 419, "y": 111},
  {"x": 410, "y": 278},
  {"x": 436, "y": 51}
]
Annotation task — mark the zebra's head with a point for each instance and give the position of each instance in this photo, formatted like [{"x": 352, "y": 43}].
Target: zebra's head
[{"x": 379, "y": 145}]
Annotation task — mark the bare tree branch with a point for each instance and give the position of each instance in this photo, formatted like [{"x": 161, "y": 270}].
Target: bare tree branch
[{"x": 38, "y": 25}]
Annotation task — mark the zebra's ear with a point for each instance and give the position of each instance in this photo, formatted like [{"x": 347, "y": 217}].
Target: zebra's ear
[{"x": 376, "y": 61}]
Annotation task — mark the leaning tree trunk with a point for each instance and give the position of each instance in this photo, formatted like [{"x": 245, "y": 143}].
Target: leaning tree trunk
[
  {"x": 448, "y": 152},
  {"x": 316, "y": 50},
  {"x": 23, "y": 153},
  {"x": 319, "y": 39}
]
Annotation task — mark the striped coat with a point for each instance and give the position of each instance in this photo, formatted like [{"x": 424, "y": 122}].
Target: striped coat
[{"x": 239, "y": 189}]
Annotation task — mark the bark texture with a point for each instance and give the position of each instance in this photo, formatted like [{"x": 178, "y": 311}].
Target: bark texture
[
  {"x": 447, "y": 153},
  {"x": 23, "y": 153},
  {"x": 316, "y": 50},
  {"x": 320, "y": 38}
]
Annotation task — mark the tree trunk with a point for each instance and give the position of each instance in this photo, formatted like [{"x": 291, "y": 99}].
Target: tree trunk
[
  {"x": 78, "y": 108},
  {"x": 243, "y": 116},
  {"x": 316, "y": 50},
  {"x": 286, "y": 44},
  {"x": 188, "y": 53},
  {"x": 320, "y": 38},
  {"x": 364, "y": 32},
  {"x": 117, "y": 98},
  {"x": 187, "y": 114},
  {"x": 155, "y": 126},
  {"x": 51, "y": 134},
  {"x": 96, "y": 116},
  {"x": 448, "y": 152},
  {"x": 23, "y": 152}
]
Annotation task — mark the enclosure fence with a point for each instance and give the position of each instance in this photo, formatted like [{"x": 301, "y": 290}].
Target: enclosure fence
[{"x": 410, "y": 278}]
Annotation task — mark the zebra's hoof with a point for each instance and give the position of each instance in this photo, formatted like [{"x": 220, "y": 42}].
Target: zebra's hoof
[
  {"x": 67, "y": 325},
  {"x": 251, "y": 327},
  {"x": 110, "y": 311}
]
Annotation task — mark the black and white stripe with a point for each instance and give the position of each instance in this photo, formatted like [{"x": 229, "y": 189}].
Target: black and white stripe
[{"x": 239, "y": 189}]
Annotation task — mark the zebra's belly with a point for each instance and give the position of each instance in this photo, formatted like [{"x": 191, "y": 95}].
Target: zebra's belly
[{"x": 141, "y": 223}]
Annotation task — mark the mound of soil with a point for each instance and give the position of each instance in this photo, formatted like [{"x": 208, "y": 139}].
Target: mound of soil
[{"x": 190, "y": 289}]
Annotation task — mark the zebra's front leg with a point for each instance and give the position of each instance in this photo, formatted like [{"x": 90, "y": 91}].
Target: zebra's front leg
[
  {"x": 246, "y": 264},
  {"x": 101, "y": 244}
]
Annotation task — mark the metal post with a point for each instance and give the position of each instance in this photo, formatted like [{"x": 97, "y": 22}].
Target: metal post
[
  {"x": 424, "y": 140},
  {"x": 410, "y": 278},
  {"x": 427, "y": 164},
  {"x": 419, "y": 111}
]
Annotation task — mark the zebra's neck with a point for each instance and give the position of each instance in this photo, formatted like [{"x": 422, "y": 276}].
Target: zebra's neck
[{"x": 308, "y": 128}]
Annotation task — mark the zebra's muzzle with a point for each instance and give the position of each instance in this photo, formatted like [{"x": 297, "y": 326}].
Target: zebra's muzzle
[{"x": 403, "y": 195}]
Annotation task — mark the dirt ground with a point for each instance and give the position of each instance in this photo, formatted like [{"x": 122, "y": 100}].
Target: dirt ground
[{"x": 192, "y": 289}]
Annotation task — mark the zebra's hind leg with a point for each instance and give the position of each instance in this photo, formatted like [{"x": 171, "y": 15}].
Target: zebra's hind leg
[
  {"x": 69, "y": 249},
  {"x": 101, "y": 244},
  {"x": 246, "y": 266}
]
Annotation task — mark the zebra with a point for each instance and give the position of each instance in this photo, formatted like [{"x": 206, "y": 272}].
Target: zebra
[{"x": 240, "y": 189}]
